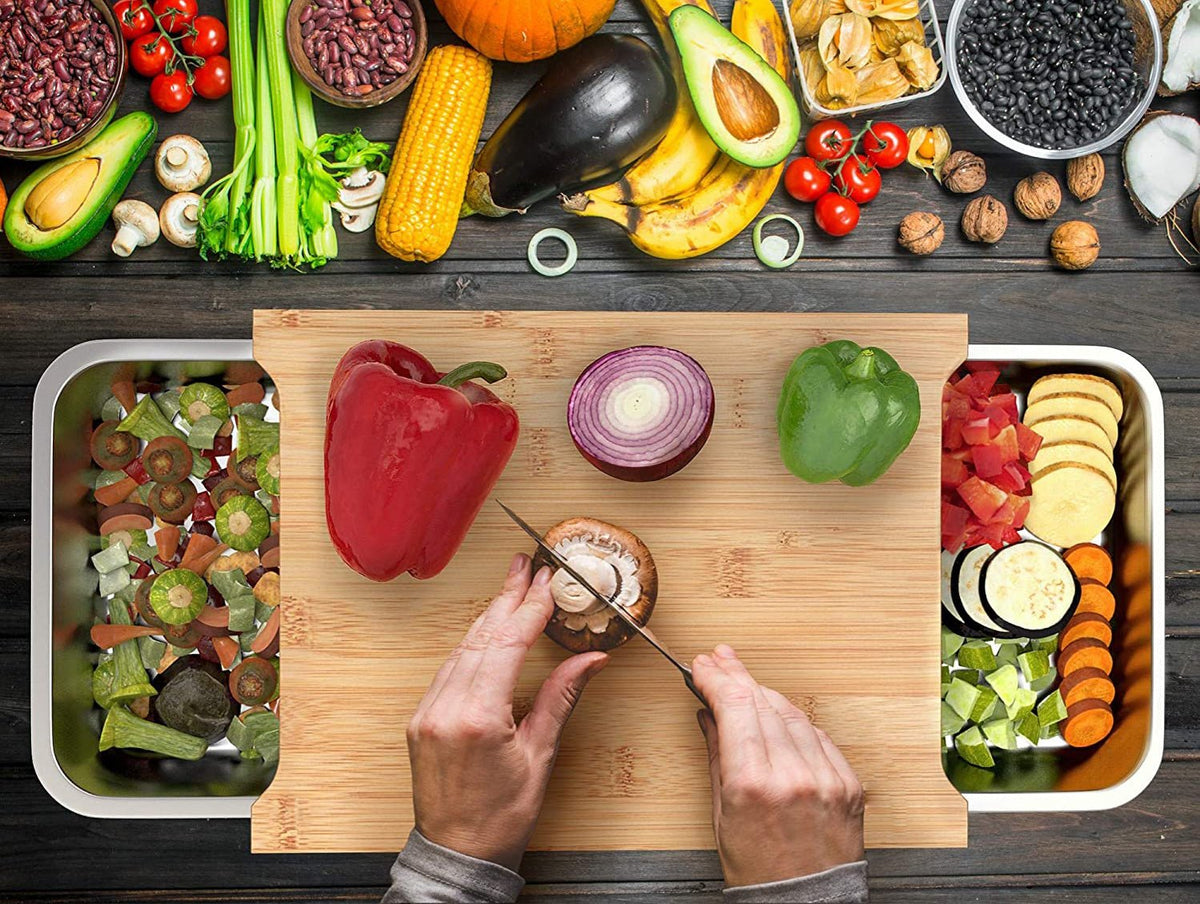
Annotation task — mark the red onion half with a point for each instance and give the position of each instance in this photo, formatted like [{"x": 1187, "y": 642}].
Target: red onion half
[{"x": 641, "y": 413}]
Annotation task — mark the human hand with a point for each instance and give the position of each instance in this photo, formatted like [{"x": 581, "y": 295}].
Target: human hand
[
  {"x": 785, "y": 801},
  {"x": 479, "y": 778}
]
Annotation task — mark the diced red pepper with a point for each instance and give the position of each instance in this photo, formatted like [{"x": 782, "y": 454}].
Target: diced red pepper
[
  {"x": 135, "y": 470},
  {"x": 1028, "y": 441},
  {"x": 978, "y": 385},
  {"x": 1006, "y": 441},
  {"x": 977, "y": 366},
  {"x": 954, "y": 525},
  {"x": 979, "y": 430},
  {"x": 202, "y": 508},
  {"x": 143, "y": 570},
  {"x": 954, "y": 471},
  {"x": 223, "y": 445},
  {"x": 988, "y": 460},
  {"x": 213, "y": 467},
  {"x": 982, "y": 497},
  {"x": 1004, "y": 515},
  {"x": 992, "y": 534},
  {"x": 1007, "y": 402}
]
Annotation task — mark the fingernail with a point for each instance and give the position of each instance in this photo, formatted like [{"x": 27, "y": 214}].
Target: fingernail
[
  {"x": 543, "y": 577},
  {"x": 703, "y": 660},
  {"x": 725, "y": 651},
  {"x": 518, "y": 563}
]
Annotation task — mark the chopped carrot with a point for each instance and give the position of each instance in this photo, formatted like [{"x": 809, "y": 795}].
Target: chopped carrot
[
  {"x": 116, "y": 493},
  {"x": 1088, "y": 722},
  {"x": 201, "y": 563},
  {"x": 1085, "y": 624},
  {"x": 1095, "y": 597},
  {"x": 227, "y": 650},
  {"x": 1088, "y": 560},
  {"x": 214, "y": 616},
  {"x": 268, "y": 635},
  {"x": 126, "y": 394},
  {"x": 226, "y": 428},
  {"x": 251, "y": 393},
  {"x": 1087, "y": 652},
  {"x": 167, "y": 539},
  {"x": 1087, "y": 684},
  {"x": 108, "y": 636},
  {"x": 243, "y": 372}
]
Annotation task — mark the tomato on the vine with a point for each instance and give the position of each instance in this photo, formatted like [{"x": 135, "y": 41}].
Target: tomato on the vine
[
  {"x": 150, "y": 53},
  {"x": 805, "y": 180},
  {"x": 828, "y": 140},
  {"x": 134, "y": 18},
  {"x": 175, "y": 15},
  {"x": 213, "y": 79},
  {"x": 171, "y": 92},
  {"x": 886, "y": 145},
  {"x": 857, "y": 178},
  {"x": 835, "y": 214},
  {"x": 205, "y": 37}
]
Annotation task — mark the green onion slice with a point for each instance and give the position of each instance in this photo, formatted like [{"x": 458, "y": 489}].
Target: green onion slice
[
  {"x": 772, "y": 250},
  {"x": 566, "y": 266}
]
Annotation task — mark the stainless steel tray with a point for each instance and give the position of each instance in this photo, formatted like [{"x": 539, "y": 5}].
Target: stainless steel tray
[{"x": 64, "y": 726}]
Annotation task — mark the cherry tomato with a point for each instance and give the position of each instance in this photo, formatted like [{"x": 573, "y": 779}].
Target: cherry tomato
[
  {"x": 804, "y": 180},
  {"x": 206, "y": 37},
  {"x": 856, "y": 178},
  {"x": 171, "y": 93},
  {"x": 886, "y": 145},
  {"x": 828, "y": 140},
  {"x": 213, "y": 79},
  {"x": 149, "y": 54},
  {"x": 835, "y": 214},
  {"x": 134, "y": 18},
  {"x": 175, "y": 15}
]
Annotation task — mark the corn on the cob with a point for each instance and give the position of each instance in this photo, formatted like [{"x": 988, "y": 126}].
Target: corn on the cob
[{"x": 421, "y": 200}]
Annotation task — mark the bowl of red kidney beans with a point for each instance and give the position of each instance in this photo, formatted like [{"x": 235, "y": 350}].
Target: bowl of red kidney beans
[
  {"x": 1054, "y": 79},
  {"x": 62, "y": 70}
]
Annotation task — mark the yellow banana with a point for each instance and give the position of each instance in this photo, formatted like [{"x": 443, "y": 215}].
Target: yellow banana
[
  {"x": 730, "y": 195},
  {"x": 685, "y": 153}
]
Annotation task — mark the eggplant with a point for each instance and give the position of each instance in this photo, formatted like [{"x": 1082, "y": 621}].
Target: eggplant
[{"x": 600, "y": 106}]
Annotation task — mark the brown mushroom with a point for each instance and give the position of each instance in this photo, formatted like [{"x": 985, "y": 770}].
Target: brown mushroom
[{"x": 612, "y": 560}]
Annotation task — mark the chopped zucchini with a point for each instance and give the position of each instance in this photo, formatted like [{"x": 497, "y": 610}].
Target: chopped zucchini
[
  {"x": 986, "y": 705},
  {"x": 114, "y": 581},
  {"x": 151, "y": 650},
  {"x": 1029, "y": 728},
  {"x": 950, "y": 644},
  {"x": 125, "y": 730},
  {"x": 972, "y": 748},
  {"x": 1051, "y": 710},
  {"x": 1007, "y": 654},
  {"x": 952, "y": 722},
  {"x": 203, "y": 432},
  {"x": 111, "y": 558},
  {"x": 1004, "y": 682},
  {"x": 963, "y": 697},
  {"x": 1001, "y": 733},
  {"x": 1034, "y": 664},
  {"x": 241, "y": 611},
  {"x": 1045, "y": 682},
  {"x": 977, "y": 654},
  {"x": 1022, "y": 704}
]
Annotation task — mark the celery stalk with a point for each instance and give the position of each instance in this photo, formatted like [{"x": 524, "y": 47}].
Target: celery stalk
[
  {"x": 123, "y": 729},
  {"x": 316, "y": 192},
  {"x": 238, "y": 237},
  {"x": 262, "y": 201},
  {"x": 283, "y": 108}
]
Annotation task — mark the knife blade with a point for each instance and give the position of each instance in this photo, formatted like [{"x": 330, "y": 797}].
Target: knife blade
[{"x": 610, "y": 601}]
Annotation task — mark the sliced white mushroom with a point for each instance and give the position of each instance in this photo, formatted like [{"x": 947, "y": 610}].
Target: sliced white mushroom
[
  {"x": 1181, "y": 40},
  {"x": 1162, "y": 162},
  {"x": 356, "y": 219},
  {"x": 182, "y": 163},
  {"x": 137, "y": 226},
  {"x": 178, "y": 218},
  {"x": 358, "y": 199}
]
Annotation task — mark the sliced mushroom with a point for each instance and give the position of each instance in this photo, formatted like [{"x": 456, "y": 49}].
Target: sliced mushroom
[
  {"x": 358, "y": 199},
  {"x": 612, "y": 560},
  {"x": 358, "y": 219},
  {"x": 178, "y": 218},
  {"x": 182, "y": 163},
  {"x": 137, "y": 226}
]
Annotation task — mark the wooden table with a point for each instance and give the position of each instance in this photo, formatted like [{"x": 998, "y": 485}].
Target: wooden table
[{"x": 1139, "y": 297}]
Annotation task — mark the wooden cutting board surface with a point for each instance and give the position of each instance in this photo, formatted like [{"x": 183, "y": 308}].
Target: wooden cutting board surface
[{"x": 829, "y": 593}]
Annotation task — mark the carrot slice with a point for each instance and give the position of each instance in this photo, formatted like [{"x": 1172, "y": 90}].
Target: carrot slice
[
  {"x": 214, "y": 616},
  {"x": 227, "y": 649},
  {"x": 116, "y": 492},
  {"x": 1087, "y": 684},
  {"x": 252, "y": 393},
  {"x": 1088, "y": 722},
  {"x": 203, "y": 561},
  {"x": 167, "y": 539},
  {"x": 1095, "y": 597},
  {"x": 269, "y": 634},
  {"x": 1085, "y": 653},
  {"x": 108, "y": 636},
  {"x": 1089, "y": 560},
  {"x": 126, "y": 394},
  {"x": 1085, "y": 624}
]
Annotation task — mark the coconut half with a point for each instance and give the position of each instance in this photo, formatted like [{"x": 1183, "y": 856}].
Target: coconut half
[
  {"x": 612, "y": 560},
  {"x": 1161, "y": 158},
  {"x": 1181, "y": 50}
]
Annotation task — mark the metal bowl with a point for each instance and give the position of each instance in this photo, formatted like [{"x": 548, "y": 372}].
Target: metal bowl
[
  {"x": 1147, "y": 52},
  {"x": 89, "y": 131}
]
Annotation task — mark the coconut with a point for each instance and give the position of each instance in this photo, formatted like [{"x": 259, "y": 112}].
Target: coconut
[
  {"x": 1161, "y": 158},
  {"x": 1181, "y": 50}
]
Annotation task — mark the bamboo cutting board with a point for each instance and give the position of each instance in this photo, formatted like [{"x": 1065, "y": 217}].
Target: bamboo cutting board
[{"x": 829, "y": 593}]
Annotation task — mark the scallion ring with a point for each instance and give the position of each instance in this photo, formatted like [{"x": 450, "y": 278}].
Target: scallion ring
[
  {"x": 564, "y": 237},
  {"x": 772, "y": 250}
]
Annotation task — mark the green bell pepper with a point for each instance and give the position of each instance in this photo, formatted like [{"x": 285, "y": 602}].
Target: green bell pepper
[{"x": 846, "y": 413}]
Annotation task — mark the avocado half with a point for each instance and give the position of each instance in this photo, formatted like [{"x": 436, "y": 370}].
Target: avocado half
[
  {"x": 109, "y": 161},
  {"x": 744, "y": 104}
]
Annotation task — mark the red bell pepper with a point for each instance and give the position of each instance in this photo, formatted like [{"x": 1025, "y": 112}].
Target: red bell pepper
[{"x": 410, "y": 457}]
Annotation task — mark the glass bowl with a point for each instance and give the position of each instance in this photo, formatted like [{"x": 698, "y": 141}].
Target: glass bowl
[{"x": 1147, "y": 60}]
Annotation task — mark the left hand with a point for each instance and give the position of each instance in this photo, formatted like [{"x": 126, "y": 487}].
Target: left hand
[{"x": 479, "y": 778}]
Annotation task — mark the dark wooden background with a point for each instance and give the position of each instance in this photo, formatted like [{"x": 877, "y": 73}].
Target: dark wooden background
[{"x": 1139, "y": 297}]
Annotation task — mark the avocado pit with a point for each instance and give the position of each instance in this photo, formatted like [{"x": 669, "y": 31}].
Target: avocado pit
[{"x": 743, "y": 103}]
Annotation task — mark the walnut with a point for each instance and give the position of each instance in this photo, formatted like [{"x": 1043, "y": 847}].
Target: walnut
[
  {"x": 985, "y": 219},
  {"x": 1085, "y": 176},
  {"x": 921, "y": 232},
  {"x": 1075, "y": 245},
  {"x": 1038, "y": 196},
  {"x": 964, "y": 172}
]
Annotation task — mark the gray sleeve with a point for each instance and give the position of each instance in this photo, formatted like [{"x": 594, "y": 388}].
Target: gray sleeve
[
  {"x": 428, "y": 872},
  {"x": 845, "y": 884}
]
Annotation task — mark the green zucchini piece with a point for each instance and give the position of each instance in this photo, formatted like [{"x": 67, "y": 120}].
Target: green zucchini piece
[
  {"x": 255, "y": 436},
  {"x": 962, "y": 697},
  {"x": 1004, "y": 682},
  {"x": 111, "y": 410},
  {"x": 231, "y": 583},
  {"x": 1049, "y": 644},
  {"x": 1022, "y": 704},
  {"x": 113, "y": 582},
  {"x": 168, "y": 403},
  {"x": 1007, "y": 655},
  {"x": 104, "y": 683},
  {"x": 267, "y": 474},
  {"x": 143, "y": 551},
  {"x": 945, "y": 679},
  {"x": 151, "y": 650},
  {"x": 250, "y": 409},
  {"x": 977, "y": 654},
  {"x": 1002, "y": 733},
  {"x": 239, "y": 735},
  {"x": 1049, "y": 731},
  {"x": 178, "y": 596},
  {"x": 198, "y": 400},
  {"x": 986, "y": 706},
  {"x": 108, "y": 478},
  {"x": 243, "y": 523},
  {"x": 1045, "y": 682},
  {"x": 131, "y": 680},
  {"x": 1051, "y": 710},
  {"x": 950, "y": 641},
  {"x": 1013, "y": 641},
  {"x": 125, "y": 730},
  {"x": 952, "y": 722},
  {"x": 147, "y": 422},
  {"x": 267, "y": 744},
  {"x": 973, "y": 748},
  {"x": 203, "y": 433},
  {"x": 1028, "y": 728},
  {"x": 241, "y": 611},
  {"x": 111, "y": 558},
  {"x": 246, "y": 639},
  {"x": 1034, "y": 664},
  {"x": 971, "y": 676}
]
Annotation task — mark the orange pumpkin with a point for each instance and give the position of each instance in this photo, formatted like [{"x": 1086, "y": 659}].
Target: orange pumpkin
[{"x": 521, "y": 31}]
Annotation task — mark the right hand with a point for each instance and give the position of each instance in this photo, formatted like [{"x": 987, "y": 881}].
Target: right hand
[{"x": 785, "y": 801}]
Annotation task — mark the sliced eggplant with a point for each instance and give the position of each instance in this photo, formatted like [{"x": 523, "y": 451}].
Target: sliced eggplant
[
  {"x": 949, "y": 614},
  {"x": 1029, "y": 589},
  {"x": 964, "y": 591}
]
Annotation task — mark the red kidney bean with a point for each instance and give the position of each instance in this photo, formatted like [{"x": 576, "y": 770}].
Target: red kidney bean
[{"x": 356, "y": 46}]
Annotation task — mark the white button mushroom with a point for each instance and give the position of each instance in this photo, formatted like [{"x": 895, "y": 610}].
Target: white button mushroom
[
  {"x": 358, "y": 199},
  {"x": 178, "y": 217},
  {"x": 137, "y": 226},
  {"x": 182, "y": 163}
]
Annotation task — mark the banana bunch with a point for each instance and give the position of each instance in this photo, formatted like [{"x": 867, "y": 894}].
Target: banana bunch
[{"x": 686, "y": 198}]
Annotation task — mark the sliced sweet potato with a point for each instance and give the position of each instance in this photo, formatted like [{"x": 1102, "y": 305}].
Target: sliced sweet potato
[
  {"x": 167, "y": 540},
  {"x": 1070, "y": 504},
  {"x": 252, "y": 393},
  {"x": 266, "y": 643},
  {"x": 1090, "y": 561},
  {"x": 125, "y": 516},
  {"x": 1087, "y": 652},
  {"x": 1087, "y": 684},
  {"x": 1095, "y": 597},
  {"x": 117, "y": 492},
  {"x": 1088, "y": 722},
  {"x": 1073, "y": 404},
  {"x": 1085, "y": 624},
  {"x": 1074, "y": 453},
  {"x": 1065, "y": 428},
  {"x": 227, "y": 649},
  {"x": 1079, "y": 384}
]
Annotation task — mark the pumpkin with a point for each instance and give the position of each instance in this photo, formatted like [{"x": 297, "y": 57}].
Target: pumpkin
[{"x": 521, "y": 31}]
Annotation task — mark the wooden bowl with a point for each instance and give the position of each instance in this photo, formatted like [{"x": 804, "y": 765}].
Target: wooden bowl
[
  {"x": 328, "y": 93},
  {"x": 89, "y": 131}
]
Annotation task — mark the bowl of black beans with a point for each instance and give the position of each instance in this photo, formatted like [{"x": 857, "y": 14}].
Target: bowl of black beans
[{"x": 1054, "y": 79}]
